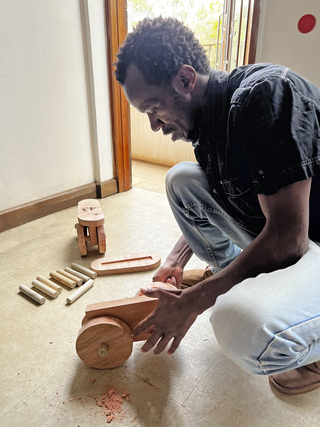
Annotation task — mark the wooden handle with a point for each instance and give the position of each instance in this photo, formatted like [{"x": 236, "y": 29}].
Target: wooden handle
[
  {"x": 84, "y": 270},
  {"x": 42, "y": 287},
  {"x": 70, "y": 276},
  {"x": 63, "y": 279},
  {"x": 50, "y": 284},
  {"x": 80, "y": 291},
  {"x": 77, "y": 274},
  {"x": 32, "y": 294}
]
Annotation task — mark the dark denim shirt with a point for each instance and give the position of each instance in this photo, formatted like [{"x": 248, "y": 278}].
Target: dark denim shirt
[{"x": 258, "y": 131}]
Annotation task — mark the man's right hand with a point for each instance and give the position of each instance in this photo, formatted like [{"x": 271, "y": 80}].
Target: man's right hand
[{"x": 168, "y": 271}]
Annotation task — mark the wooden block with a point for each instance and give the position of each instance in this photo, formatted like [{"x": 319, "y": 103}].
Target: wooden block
[
  {"x": 50, "y": 284},
  {"x": 130, "y": 310},
  {"x": 62, "y": 279},
  {"x": 84, "y": 270},
  {"x": 90, "y": 213},
  {"x": 102, "y": 243},
  {"x": 70, "y": 276},
  {"x": 32, "y": 294},
  {"x": 80, "y": 291},
  {"x": 81, "y": 240},
  {"x": 126, "y": 263}
]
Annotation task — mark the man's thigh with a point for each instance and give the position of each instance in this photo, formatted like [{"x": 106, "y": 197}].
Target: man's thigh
[{"x": 271, "y": 323}]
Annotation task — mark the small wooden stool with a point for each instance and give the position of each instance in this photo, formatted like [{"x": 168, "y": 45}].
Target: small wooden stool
[
  {"x": 90, "y": 226},
  {"x": 104, "y": 340}
]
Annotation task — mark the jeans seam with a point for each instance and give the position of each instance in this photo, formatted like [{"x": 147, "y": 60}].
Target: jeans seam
[
  {"x": 218, "y": 212},
  {"x": 207, "y": 244}
]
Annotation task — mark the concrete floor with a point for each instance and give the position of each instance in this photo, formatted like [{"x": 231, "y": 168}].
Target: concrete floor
[{"x": 43, "y": 381}]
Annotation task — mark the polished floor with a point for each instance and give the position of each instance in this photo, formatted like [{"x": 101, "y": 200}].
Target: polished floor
[{"x": 43, "y": 381}]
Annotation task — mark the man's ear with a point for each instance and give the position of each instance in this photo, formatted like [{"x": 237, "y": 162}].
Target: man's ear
[{"x": 185, "y": 80}]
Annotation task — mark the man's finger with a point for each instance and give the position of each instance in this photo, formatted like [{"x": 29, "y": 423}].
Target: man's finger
[
  {"x": 175, "y": 344},
  {"x": 162, "y": 344},
  {"x": 143, "y": 325},
  {"x": 151, "y": 342}
]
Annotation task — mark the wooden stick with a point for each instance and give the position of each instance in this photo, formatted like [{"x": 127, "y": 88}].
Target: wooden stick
[
  {"x": 70, "y": 276},
  {"x": 32, "y": 294},
  {"x": 80, "y": 291},
  {"x": 63, "y": 279},
  {"x": 84, "y": 270},
  {"x": 44, "y": 288},
  {"x": 50, "y": 284},
  {"x": 78, "y": 274}
]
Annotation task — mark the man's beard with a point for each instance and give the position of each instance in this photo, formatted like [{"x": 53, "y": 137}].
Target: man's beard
[{"x": 182, "y": 105}]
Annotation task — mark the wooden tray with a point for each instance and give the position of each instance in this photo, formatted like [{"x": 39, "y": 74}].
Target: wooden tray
[{"x": 126, "y": 263}]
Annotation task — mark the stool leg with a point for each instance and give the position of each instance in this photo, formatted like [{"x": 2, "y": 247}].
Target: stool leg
[
  {"x": 81, "y": 240},
  {"x": 102, "y": 244},
  {"x": 93, "y": 235}
]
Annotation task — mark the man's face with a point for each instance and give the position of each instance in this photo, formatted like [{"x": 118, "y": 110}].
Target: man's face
[{"x": 166, "y": 109}]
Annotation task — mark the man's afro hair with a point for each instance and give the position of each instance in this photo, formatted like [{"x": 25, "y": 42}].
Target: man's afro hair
[{"x": 158, "y": 47}]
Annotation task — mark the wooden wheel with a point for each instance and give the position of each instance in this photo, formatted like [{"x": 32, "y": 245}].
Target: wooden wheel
[{"x": 104, "y": 342}]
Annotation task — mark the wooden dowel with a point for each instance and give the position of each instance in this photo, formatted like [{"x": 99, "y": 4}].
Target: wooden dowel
[
  {"x": 32, "y": 294},
  {"x": 70, "y": 276},
  {"x": 78, "y": 274},
  {"x": 50, "y": 284},
  {"x": 44, "y": 288},
  {"x": 80, "y": 291},
  {"x": 84, "y": 270},
  {"x": 62, "y": 279}
]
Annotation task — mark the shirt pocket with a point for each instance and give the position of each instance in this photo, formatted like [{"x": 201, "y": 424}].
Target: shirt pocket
[{"x": 243, "y": 199}]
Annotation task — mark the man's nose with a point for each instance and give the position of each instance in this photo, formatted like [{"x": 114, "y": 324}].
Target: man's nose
[{"x": 155, "y": 123}]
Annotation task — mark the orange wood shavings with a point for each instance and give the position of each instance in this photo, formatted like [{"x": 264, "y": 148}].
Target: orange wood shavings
[{"x": 111, "y": 402}]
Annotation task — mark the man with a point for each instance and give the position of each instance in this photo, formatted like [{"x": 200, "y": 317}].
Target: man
[{"x": 249, "y": 208}]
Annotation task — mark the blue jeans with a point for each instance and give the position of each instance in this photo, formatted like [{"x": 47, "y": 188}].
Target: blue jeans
[{"x": 267, "y": 324}]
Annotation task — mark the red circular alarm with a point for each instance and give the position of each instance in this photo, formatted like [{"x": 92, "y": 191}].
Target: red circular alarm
[{"x": 306, "y": 23}]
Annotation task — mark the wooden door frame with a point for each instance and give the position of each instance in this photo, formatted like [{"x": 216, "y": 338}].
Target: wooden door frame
[{"x": 117, "y": 27}]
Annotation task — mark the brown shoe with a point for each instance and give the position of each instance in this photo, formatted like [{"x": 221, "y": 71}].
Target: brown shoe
[
  {"x": 192, "y": 277},
  {"x": 297, "y": 381}
]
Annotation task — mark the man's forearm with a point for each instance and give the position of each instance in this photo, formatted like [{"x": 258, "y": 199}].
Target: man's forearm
[
  {"x": 180, "y": 254},
  {"x": 261, "y": 256}
]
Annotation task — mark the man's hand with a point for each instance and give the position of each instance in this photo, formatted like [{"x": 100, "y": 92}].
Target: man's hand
[
  {"x": 171, "y": 319},
  {"x": 167, "y": 272}
]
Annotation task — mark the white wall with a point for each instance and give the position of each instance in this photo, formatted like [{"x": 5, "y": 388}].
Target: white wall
[
  {"x": 46, "y": 126},
  {"x": 281, "y": 42}
]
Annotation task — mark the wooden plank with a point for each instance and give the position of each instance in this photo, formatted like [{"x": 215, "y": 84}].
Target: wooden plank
[{"x": 130, "y": 310}]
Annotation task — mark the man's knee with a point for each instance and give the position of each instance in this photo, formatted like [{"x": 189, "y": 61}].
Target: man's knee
[
  {"x": 183, "y": 174},
  {"x": 257, "y": 336}
]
